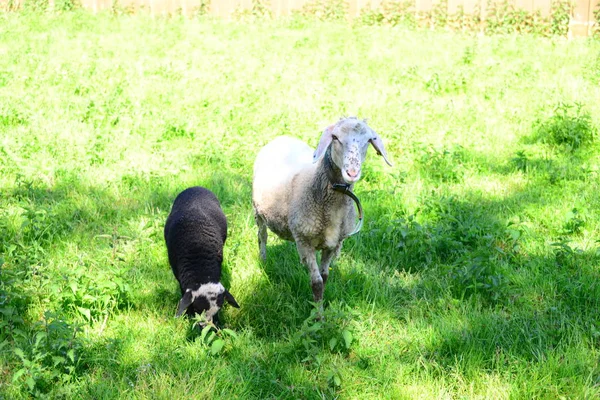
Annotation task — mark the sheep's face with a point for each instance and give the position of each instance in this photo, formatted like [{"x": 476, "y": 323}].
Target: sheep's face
[
  {"x": 208, "y": 298},
  {"x": 349, "y": 140}
]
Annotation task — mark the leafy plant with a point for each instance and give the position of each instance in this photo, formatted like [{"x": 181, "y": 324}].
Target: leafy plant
[
  {"x": 116, "y": 8},
  {"x": 445, "y": 165},
  {"x": 521, "y": 161},
  {"x": 333, "y": 331},
  {"x": 10, "y": 118},
  {"x": 564, "y": 253},
  {"x": 92, "y": 296},
  {"x": 46, "y": 352},
  {"x": 465, "y": 21},
  {"x": 35, "y": 5},
  {"x": 468, "y": 55},
  {"x": 203, "y": 8},
  {"x": 371, "y": 16},
  {"x": 334, "y": 377},
  {"x": 596, "y": 13},
  {"x": 574, "y": 222},
  {"x": 66, "y": 5},
  {"x": 502, "y": 17},
  {"x": 479, "y": 275},
  {"x": 260, "y": 9},
  {"x": 560, "y": 15},
  {"x": 438, "y": 16},
  {"x": 325, "y": 10},
  {"x": 211, "y": 338},
  {"x": 10, "y": 5},
  {"x": 569, "y": 126},
  {"x": 398, "y": 13}
]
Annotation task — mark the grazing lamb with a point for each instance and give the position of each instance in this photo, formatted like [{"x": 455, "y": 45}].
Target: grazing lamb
[
  {"x": 294, "y": 195},
  {"x": 195, "y": 233}
]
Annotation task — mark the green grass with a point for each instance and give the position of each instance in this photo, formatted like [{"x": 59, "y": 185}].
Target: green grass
[{"x": 476, "y": 274}]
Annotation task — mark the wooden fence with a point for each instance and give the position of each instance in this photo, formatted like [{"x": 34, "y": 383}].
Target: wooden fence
[{"x": 581, "y": 23}]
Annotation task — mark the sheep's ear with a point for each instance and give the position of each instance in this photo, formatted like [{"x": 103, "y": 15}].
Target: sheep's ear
[
  {"x": 379, "y": 147},
  {"x": 184, "y": 303},
  {"x": 230, "y": 299},
  {"x": 324, "y": 142}
]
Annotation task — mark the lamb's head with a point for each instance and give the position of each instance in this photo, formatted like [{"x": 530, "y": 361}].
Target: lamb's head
[
  {"x": 349, "y": 139},
  {"x": 208, "y": 297}
]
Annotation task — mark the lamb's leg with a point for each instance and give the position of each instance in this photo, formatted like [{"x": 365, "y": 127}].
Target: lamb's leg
[
  {"x": 262, "y": 236},
  {"x": 327, "y": 256},
  {"x": 309, "y": 259}
]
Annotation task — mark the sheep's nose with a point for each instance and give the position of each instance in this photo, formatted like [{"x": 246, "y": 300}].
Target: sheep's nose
[{"x": 352, "y": 173}]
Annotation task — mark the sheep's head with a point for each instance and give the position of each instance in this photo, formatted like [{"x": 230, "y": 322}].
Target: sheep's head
[
  {"x": 208, "y": 297},
  {"x": 349, "y": 139}
]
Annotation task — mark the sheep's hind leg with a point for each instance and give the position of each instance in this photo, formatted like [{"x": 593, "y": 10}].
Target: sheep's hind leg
[
  {"x": 309, "y": 259},
  {"x": 327, "y": 257},
  {"x": 262, "y": 236}
]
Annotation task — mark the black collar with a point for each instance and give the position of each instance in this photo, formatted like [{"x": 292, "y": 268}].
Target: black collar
[
  {"x": 345, "y": 189},
  {"x": 333, "y": 175}
]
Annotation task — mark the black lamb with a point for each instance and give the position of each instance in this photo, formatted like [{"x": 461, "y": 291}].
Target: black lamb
[{"x": 195, "y": 233}]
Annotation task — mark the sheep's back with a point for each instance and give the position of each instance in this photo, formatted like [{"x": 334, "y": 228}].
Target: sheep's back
[
  {"x": 196, "y": 229},
  {"x": 275, "y": 166}
]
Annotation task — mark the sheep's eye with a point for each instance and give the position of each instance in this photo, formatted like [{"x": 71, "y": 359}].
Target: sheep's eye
[{"x": 335, "y": 138}]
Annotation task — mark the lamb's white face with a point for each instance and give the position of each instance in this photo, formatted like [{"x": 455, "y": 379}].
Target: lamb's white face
[
  {"x": 350, "y": 141},
  {"x": 209, "y": 298}
]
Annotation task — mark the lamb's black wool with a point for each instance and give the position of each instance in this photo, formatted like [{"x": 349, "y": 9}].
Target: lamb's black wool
[{"x": 195, "y": 233}]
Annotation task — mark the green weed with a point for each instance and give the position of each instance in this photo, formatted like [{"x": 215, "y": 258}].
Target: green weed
[
  {"x": 521, "y": 161},
  {"x": 260, "y": 9},
  {"x": 212, "y": 339},
  {"x": 574, "y": 222},
  {"x": 479, "y": 276},
  {"x": 332, "y": 331},
  {"x": 569, "y": 126},
  {"x": 445, "y": 165}
]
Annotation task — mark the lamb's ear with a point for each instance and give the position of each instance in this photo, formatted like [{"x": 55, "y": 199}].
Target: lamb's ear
[
  {"x": 324, "y": 142},
  {"x": 184, "y": 303},
  {"x": 230, "y": 299},
  {"x": 379, "y": 147}
]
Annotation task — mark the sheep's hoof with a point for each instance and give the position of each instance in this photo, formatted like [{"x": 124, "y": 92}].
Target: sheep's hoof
[{"x": 318, "y": 312}]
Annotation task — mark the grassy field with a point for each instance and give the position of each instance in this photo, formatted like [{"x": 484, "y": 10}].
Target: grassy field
[{"x": 476, "y": 274}]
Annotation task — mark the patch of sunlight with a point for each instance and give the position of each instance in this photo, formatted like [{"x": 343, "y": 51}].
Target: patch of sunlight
[{"x": 492, "y": 186}]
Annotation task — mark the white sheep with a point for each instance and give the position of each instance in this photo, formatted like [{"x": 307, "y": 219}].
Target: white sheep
[{"x": 293, "y": 193}]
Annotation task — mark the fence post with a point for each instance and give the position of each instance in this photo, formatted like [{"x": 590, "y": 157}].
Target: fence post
[{"x": 581, "y": 19}]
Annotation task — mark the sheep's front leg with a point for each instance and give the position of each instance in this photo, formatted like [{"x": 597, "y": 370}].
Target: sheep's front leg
[
  {"x": 262, "y": 236},
  {"x": 309, "y": 259},
  {"x": 327, "y": 257}
]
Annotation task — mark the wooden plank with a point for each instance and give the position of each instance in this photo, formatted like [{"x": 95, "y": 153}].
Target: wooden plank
[
  {"x": 526, "y": 5},
  {"x": 423, "y": 5},
  {"x": 542, "y": 5},
  {"x": 470, "y": 6},
  {"x": 454, "y": 5},
  {"x": 580, "y": 23},
  {"x": 581, "y": 11}
]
